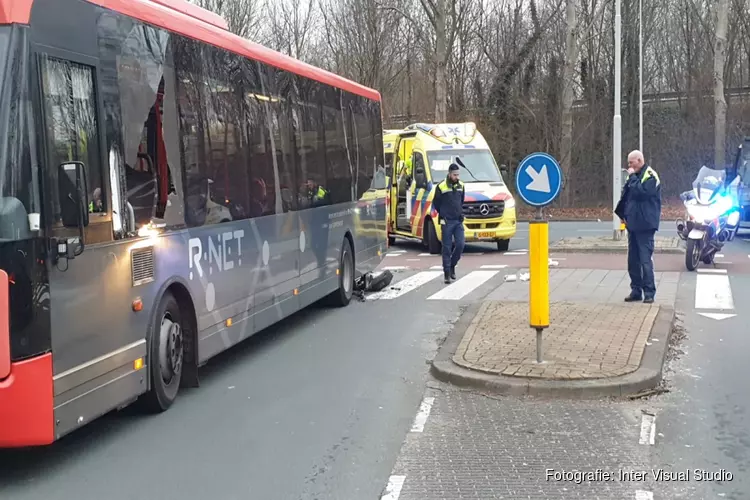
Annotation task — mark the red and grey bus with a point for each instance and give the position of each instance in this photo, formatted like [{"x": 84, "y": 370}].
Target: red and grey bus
[{"x": 168, "y": 189}]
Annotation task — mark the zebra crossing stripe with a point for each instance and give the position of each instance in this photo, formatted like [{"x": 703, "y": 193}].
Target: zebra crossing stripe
[
  {"x": 463, "y": 286},
  {"x": 405, "y": 286}
]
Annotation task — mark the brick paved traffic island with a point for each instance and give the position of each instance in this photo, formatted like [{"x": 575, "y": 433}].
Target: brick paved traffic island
[
  {"x": 596, "y": 344},
  {"x": 584, "y": 341}
]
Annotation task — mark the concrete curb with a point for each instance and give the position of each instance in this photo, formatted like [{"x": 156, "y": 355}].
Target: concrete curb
[
  {"x": 647, "y": 376},
  {"x": 618, "y": 250}
]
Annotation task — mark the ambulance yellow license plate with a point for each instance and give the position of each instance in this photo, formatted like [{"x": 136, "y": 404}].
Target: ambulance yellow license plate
[{"x": 485, "y": 235}]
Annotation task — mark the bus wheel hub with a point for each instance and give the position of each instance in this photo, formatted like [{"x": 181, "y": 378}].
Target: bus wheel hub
[{"x": 171, "y": 351}]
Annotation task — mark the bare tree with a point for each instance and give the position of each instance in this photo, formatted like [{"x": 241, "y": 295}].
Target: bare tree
[
  {"x": 242, "y": 16},
  {"x": 571, "y": 59},
  {"x": 720, "y": 103},
  {"x": 364, "y": 42},
  {"x": 290, "y": 26}
]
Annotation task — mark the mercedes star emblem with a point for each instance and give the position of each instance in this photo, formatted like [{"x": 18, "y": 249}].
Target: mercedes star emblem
[{"x": 484, "y": 209}]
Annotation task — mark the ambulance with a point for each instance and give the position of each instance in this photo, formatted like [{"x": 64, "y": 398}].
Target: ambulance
[
  {"x": 376, "y": 197},
  {"x": 422, "y": 155}
]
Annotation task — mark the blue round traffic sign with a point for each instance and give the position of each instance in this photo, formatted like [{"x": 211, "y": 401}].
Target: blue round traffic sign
[{"x": 538, "y": 179}]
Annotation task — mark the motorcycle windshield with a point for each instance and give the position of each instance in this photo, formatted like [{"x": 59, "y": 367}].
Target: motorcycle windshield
[{"x": 708, "y": 184}]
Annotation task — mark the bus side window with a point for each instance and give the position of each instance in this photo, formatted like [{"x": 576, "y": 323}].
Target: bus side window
[{"x": 72, "y": 133}]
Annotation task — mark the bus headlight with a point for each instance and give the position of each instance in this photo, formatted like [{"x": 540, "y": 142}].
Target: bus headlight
[{"x": 510, "y": 202}]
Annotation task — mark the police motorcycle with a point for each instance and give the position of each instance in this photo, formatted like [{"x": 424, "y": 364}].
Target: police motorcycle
[{"x": 713, "y": 216}]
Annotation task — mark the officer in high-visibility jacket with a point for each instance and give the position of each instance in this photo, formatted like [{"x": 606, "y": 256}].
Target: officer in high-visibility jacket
[
  {"x": 405, "y": 175},
  {"x": 448, "y": 202},
  {"x": 642, "y": 200}
]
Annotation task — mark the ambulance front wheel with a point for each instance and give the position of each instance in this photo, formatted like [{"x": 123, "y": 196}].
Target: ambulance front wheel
[
  {"x": 502, "y": 245},
  {"x": 431, "y": 239}
]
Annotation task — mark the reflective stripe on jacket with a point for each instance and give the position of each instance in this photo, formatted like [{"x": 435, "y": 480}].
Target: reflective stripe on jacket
[
  {"x": 449, "y": 200},
  {"x": 643, "y": 203}
]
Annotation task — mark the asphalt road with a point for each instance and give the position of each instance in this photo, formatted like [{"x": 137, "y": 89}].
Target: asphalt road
[
  {"x": 315, "y": 408},
  {"x": 704, "y": 422},
  {"x": 318, "y": 408}
]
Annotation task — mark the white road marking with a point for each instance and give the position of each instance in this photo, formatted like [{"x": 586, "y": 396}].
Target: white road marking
[
  {"x": 494, "y": 266},
  {"x": 712, "y": 271},
  {"x": 394, "y": 268},
  {"x": 713, "y": 291},
  {"x": 395, "y": 254},
  {"x": 522, "y": 250},
  {"x": 393, "y": 490},
  {"x": 425, "y": 254},
  {"x": 424, "y": 411},
  {"x": 643, "y": 495},
  {"x": 437, "y": 267},
  {"x": 648, "y": 429},
  {"x": 719, "y": 255},
  {"x": 405, "y": 286},
  {"x": 463, "y": 286},
  {"x": 514, "y": 253},
  {"x": 717, "y": 316}
]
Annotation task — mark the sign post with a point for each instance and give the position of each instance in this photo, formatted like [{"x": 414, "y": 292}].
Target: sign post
[{"x": 538, "y": 183}]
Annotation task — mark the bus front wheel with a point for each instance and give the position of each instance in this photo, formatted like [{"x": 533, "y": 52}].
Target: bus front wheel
[
  {"x": 343, "y": 295},
  {"x": 166, "y": 355}
]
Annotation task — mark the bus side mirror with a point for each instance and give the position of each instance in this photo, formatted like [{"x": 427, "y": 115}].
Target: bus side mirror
[
  {"x": 504, "y": 169},
  {"x": 74, "y": 202}
]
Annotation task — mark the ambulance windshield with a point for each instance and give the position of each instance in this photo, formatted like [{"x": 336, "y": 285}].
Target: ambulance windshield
[{"x": 479, "y": 166}]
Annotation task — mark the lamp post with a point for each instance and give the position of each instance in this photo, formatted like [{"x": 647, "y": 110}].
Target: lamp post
[{"x": 617, "y": 128}]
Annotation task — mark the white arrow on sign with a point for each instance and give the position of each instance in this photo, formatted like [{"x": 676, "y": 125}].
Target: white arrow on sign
[
  {"x": 717, "y": 316},
  {"x": 539, "y": 180}
]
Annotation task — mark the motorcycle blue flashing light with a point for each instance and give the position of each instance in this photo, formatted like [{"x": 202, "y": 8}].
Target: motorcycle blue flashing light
[{"x": 720, "y": 206}]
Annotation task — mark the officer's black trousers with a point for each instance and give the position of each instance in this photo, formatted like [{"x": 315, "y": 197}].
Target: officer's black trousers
[{"x": 641, "y": 263}]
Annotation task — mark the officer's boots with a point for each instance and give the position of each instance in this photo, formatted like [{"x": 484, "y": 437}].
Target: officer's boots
[{"x": 450, "y": 276}]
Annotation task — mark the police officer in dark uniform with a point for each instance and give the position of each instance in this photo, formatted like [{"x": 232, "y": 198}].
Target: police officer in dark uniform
[
  {"x": 448, "y": 202},
  {"x": 642, "y": 210}
]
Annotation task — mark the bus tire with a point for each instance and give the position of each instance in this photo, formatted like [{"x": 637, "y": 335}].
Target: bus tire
[
  {"x": 433, "y": 244},
  {"x": 166, "y": 355},
  {"x": 343, "y": 295}
]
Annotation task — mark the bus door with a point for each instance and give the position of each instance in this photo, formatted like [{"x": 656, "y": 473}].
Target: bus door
[{"x": 87, "y": 279}]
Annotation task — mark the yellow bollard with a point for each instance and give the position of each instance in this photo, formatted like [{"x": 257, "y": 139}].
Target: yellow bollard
[{"x": 538, "y": 274}]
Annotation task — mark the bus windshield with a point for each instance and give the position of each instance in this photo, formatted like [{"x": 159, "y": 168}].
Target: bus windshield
[
  {"x": 16, "y": 186},
  {"x": 479, "y": 165}
]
